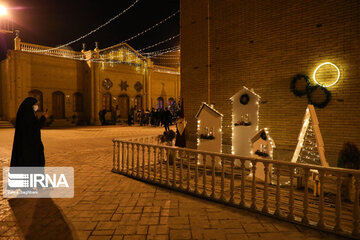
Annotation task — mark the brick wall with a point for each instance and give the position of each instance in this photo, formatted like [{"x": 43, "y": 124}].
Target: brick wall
[{"x": 263, "y": 45}]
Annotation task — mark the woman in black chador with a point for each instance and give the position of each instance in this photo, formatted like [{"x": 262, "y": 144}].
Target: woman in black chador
[{"x": 28, "y": 150}]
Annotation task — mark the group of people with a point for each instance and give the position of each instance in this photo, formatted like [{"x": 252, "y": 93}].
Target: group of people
[
  {"x": 28, "y": 149},
  {"x": 155, "y": 117}
]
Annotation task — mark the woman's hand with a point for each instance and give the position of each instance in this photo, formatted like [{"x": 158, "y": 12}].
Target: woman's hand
[{"x": 45, "y": 114}]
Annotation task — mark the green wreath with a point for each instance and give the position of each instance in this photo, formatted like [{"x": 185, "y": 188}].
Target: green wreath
[
  {"x": 244, "y": 99},
  {"x": 311, "y": 89},
  {"x": 299, "y": 93}
]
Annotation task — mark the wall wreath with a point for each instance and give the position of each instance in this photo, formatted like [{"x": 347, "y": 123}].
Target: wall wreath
[
  {"x": 244, "y": 99},
  {"x": 293, "y": 83},
  {"x": 312, "y": 89}
]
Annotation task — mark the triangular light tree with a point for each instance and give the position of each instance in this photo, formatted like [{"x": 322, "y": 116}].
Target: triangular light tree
[{"x": 310, "y": 146}]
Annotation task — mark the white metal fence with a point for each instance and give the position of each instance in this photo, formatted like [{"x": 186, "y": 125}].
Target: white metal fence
[{"x": 319, "y": 197}]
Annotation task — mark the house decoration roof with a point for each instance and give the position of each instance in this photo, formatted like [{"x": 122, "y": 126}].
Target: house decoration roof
[
  {"x": 205, "y": 105},
  {"x": 246, "y": 89},
  {"x": 258, "y": 135}
]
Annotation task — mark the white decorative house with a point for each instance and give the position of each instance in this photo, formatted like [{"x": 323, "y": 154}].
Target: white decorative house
[
  {"x": 209, "y": 130},
  {"x": 262, "y": 146},
  {"x": 245, "y": 111}
]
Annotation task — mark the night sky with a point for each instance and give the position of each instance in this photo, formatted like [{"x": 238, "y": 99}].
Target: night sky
[{"x": 56, "y": 22}]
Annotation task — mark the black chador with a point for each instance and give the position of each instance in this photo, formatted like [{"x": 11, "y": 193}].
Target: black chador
[{"x": 28, "y": 149}]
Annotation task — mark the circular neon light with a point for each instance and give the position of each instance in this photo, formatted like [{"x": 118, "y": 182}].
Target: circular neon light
[{"x": 327, "y": 63}]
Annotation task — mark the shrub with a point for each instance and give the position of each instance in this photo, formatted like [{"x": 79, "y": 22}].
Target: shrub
[{"x": 349, "y": 157}]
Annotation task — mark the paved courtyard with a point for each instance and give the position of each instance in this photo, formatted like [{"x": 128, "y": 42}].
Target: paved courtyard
[{"x": 111, "y": 206}]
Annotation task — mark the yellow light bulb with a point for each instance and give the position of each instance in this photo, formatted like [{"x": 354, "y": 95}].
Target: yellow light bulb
[{"x": 3, "y": 11}]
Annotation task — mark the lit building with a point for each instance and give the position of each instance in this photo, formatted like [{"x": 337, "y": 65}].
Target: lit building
[{"x": 78, "y": 85}]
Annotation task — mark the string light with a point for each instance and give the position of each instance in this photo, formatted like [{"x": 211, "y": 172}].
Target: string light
[
  {"x": 308, "y": 149},
  {"x": 156, "y": 44},
  {"x": 93, "y": 31},
  {"x": 166, "y": 50},
  {"x": 150, "y": 28}
]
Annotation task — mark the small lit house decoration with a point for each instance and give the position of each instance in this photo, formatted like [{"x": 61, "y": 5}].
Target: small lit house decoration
[
  {"x": 310, "y": 146},
  {"x": 245, "y": 111},
  {"x": 262, "y": 146},
  {"x": 209, "y": 130}
]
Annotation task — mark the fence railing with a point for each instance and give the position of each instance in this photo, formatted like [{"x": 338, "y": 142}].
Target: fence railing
[
  {"x": 319, "y": 197},
  {"x": 29, "y": 47}
]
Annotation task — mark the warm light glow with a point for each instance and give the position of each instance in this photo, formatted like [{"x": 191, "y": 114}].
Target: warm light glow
[
  {"x": 3, "y": 10},
  {"x": 327, "y": 63}
]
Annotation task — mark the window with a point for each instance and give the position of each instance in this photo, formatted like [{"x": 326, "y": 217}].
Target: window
[
  {"x": 138, "y": 102},
  {"x": 106, "y": 102}
]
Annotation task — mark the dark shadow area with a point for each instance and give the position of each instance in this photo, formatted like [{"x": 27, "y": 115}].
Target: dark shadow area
[{"x": 40, "y": 218}]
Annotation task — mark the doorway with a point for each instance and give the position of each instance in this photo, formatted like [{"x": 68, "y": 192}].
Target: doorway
[{"x": 58, "y": 105}]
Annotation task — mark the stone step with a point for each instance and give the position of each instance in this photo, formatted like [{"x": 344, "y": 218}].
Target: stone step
[
  {"x": 5, "y": 124},
  {"x": 62, "y": 123}
]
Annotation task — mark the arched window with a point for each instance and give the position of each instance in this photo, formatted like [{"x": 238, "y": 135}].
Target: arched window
[
  {"x": 58, "y": 104},
  {"x": 106, "y": 102},
  {"x": 160, "y": 103},
  {"x": 38, "y": 95},
  {"x": 123, "y": 105},
  {"x": 138, "y": 102},
  {"x": 78, "y": 102}
]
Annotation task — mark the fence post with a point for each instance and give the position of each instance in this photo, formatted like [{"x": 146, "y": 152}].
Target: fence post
[
  {"x": 321, "y": 200},
  {"x": 306, "y": 194},
  {"x": 253, "y": 186},
  {"x": 181, "y": 168},
  {"x": 232, "y": 180},
  {"x": 337, "y": 227},
  {"x": 291, "y": 197},
  {"x": 204, "y": 176},
  {"x": 118, "y": 157},
  {"x": 277, "y": 204},
  {"x": 222, "y": 197},
  {"x": 213, "y": 177},
  {"x": 242, "y": 192},
  {"x": 265, "y": 208},
  {"x": 356, "y": 206},
  {"x": 113, "y": 156}
]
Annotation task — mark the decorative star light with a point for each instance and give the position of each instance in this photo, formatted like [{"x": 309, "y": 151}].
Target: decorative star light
[
  {"x": 138, "y": 86},
  {"x": 123, "y": 85},
  {"x": 107, "y": 84}
]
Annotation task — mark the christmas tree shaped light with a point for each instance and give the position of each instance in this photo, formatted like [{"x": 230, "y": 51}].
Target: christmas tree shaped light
[{"x": 310, "y": 147}]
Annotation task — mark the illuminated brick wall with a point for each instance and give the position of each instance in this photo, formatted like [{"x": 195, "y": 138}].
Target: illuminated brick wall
[{"x": 263, "y": 45}]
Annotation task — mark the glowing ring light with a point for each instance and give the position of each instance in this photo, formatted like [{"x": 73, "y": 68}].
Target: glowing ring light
[{"x": 327, "y": 63}]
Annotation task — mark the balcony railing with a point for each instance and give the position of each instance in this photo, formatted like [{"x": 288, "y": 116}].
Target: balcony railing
[
  {"x": 28, "y": 47},
  {"x": 300, "y": 193}
]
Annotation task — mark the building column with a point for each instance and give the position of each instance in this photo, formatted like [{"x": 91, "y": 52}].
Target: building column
[
  {"x": 11, "y": 97},
  {"x": 149, "y": 73},
  {"x": 95, "y": 93}
]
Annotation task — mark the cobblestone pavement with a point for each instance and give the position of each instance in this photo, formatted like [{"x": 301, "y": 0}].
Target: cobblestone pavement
[{"x": 111, "y": 206}]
